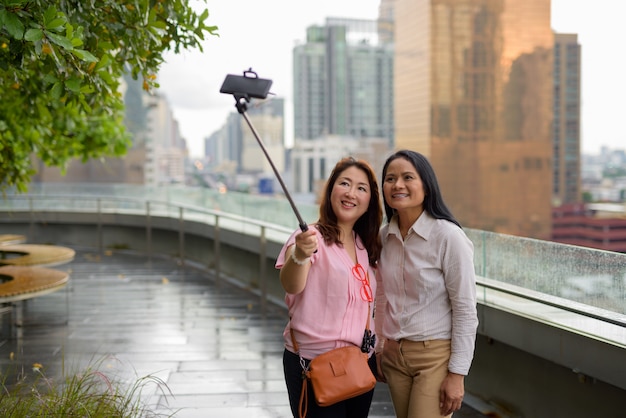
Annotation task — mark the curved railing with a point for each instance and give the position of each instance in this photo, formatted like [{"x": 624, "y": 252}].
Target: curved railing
[{"x": 580, "y": 289}]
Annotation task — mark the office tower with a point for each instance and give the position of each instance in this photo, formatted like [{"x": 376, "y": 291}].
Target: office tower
[
  {"x": 567, "y": 164},
  {"x": 268, "y": 119},
  {"x": 473, "y": 92},
  {"x": 167, "y": 149},
  {"x": 385, "y": 20},
  {"x": 233, "y": 149},
  {"x": 343, "y": 81}
]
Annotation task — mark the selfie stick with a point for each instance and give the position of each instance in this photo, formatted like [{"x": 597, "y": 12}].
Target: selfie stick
[{"x": 251, "y": 86}]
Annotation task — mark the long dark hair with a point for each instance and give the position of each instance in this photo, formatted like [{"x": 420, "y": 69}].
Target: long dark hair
[
  {"x": 433, "y": 200},
  {"x": 368, "y": 225}
]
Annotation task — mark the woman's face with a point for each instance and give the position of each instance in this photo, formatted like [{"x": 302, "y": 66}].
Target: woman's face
[
  {"x": 402, "y": 186},
  {"x": 350, "y": 196}
]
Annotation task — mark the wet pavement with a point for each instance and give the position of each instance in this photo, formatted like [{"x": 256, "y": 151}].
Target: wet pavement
[{"x": 215, "y": 348}]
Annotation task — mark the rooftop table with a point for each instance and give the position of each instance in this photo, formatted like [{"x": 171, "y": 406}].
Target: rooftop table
[
  {"x": 20, "y": 282},
  {"x": 8, "y": 239},
  {"x": 35, "y": 255},
  {"x": 24, "y": 276}
]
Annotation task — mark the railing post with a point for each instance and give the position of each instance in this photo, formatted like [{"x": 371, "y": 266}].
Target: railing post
[
  {"x": 483, "y": 235},
  {"x": 148, "y": 231},
  {"x": 216, "y": 246},
  {"x": 31, "y": 227},
  {"x": 100, "y": 242},
  {"x": 181, "y": 235},
  {"x": 262, "y": 267}
]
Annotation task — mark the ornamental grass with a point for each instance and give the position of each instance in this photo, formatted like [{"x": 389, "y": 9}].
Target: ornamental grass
[{"x": 90, "y": 393}]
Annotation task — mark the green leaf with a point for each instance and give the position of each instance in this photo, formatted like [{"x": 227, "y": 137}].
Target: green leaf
[
  {"x": 13, "y": 25},
  {"x": 85, "y": 55},
  {"x": 106, "y": 46},
  {"x": 73, "y": 84},
  {"x": 32, "y": 35},
  {"x": 62, "y": 41},
  {"x": 49, "y": 15},
  {"x": 43, "y": 111},
  {"x": 50, "y": 78},
  {"x": 56, "y": 91},
  {"x": 104, "y": 61},
  {"x": 87, "y": 89},
  {"x": 55, "y": 24}
]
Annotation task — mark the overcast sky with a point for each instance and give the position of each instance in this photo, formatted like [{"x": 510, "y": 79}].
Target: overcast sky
[{"x": 261, "y": 35}]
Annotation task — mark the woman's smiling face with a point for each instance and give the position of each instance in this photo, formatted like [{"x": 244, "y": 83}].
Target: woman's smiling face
[
  {"x": 351, "y": 194},
  {"x": 402, "y": 186}
]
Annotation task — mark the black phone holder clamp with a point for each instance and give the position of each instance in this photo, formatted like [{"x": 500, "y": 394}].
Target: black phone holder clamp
[{"x": 245, "y": 87}]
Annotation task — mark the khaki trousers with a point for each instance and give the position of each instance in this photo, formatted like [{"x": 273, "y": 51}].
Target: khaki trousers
[{"x": 415, "y": 371}]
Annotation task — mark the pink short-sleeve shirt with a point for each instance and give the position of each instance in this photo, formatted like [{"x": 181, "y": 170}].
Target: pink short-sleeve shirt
[{"x": 330, "y": 312}]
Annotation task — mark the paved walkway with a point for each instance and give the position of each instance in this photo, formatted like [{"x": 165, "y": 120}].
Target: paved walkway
[{"x": 211, "y": 343}]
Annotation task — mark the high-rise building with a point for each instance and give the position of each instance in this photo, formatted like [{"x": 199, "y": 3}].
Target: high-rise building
[
  {"x": 343, "y": 81},
  {"x": 234, "y": 144},
  {"x": 268, "y": 119},
  {"x": 566, "y": 128},
  {"x": 474, "y": 93},
  {"x": 167, "y": 149},
  {"x": 385, "y": 20}
]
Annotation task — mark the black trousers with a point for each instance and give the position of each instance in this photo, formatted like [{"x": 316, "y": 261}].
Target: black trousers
[{"x": 357, "y": 407}]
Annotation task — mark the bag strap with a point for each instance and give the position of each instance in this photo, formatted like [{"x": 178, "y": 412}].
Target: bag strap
[
  {"x": 304, "y": 399},
  {"x": 304, "y": 396}
]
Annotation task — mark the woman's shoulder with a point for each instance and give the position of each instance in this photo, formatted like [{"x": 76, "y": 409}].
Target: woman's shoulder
[{"x": 448, "y": 229}]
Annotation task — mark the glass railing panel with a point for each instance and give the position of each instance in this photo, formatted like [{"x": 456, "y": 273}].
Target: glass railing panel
[
  {"x": 593, "y": 277},
  {"x": 273, "y": 209},
  {"x": 276, "y": 210},
  {"x": 118, "y": 205}
]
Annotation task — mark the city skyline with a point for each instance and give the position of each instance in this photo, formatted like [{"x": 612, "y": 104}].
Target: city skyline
[{"x": 253, "y": 35}]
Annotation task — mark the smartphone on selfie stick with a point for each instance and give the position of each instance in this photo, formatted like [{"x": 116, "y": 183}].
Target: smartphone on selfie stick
[{"x": 250, "y": 86}]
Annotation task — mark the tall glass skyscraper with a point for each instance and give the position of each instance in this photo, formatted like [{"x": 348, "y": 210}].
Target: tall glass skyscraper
[
  {"x": 474, "y": 93},
  {"x": 566, "y": 128},
  {"x": 343, "y": 81}
]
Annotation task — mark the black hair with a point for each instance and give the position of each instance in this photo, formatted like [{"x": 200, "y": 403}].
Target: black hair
[{"x": 433, "y": 200}]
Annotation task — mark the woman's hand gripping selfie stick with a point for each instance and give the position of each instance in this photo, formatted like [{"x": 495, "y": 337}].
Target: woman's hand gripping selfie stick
[{"x": 251, "y": 86}]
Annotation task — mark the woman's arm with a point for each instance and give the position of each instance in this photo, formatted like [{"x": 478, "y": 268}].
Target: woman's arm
[{"x": 297, "y": 264}]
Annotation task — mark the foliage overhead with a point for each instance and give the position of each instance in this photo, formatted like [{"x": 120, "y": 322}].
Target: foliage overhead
[{"x": 61, "y": 65}]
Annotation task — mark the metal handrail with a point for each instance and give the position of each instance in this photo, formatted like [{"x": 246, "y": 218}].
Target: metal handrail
[{"x": 555, "y": 302}]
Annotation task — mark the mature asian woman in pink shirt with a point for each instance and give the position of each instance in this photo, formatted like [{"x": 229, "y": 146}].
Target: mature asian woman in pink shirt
[{"x": 328, "y": 275}]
